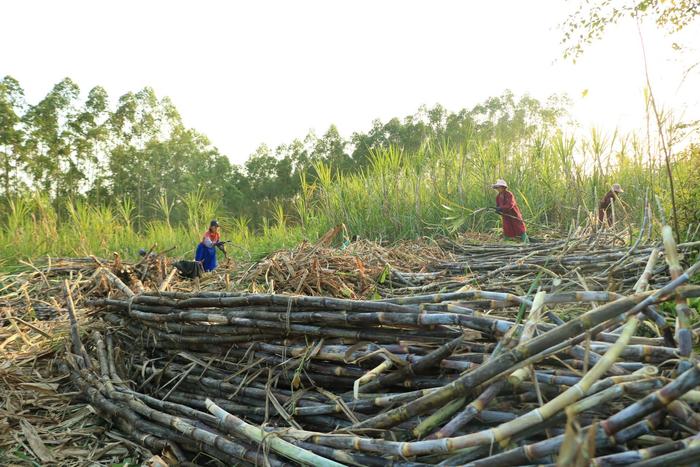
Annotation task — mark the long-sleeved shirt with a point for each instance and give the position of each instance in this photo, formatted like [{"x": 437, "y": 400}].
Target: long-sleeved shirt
[
  {"x": 210, "y": 238},
  {"x": 605, "y": 207},
  {"x": 513, "y": 224}
]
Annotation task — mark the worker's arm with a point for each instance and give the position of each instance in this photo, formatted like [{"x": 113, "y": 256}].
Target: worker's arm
[{"x": 207, "y": 241}]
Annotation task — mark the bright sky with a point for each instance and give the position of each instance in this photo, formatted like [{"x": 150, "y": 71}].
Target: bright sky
[{"x": 246, "y": 73}]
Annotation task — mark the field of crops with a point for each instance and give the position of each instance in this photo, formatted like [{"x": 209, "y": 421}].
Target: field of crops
[
  {"x": 368, "y": 310},
  {"x": 440, "y": 190},
  {"x": 367, "y": 251},
  {"x": 470, "y": 351},
  {"x": 426, "y": 340}
]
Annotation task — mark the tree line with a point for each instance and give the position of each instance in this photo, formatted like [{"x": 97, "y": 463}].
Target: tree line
[{"x": 69, "y": 145}]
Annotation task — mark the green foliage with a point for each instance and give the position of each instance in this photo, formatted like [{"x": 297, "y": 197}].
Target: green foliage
[
  {"x": 590, "y": 20},
  {"x": 69, "y": 146},
  {"x": 12, "y": 153},
  {"x": 686, "y": 175},
  {"x": 443, "y": 188},
  {"x": 31, "y": 229},
  {"x": 80, "y": 177}
]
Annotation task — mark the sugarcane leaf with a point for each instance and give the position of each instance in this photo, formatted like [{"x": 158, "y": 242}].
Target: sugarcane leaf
[
  {"x": 36, "y": 443},
  {"x": 316, "y": 349},
  {"x": 296, "y": 381},
  {"x": 352, "y": 349},
  {"x": 385, "y": 273},
  {"x": 587, "y": 452},
  {"x": 570, "y": 444}
]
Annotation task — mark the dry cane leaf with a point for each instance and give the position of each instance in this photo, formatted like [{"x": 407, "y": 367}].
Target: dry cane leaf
[
  {"x": 35, "y": 442},
  {"x": 570, "y": 444},
  {"x": 156, "y": 461},
  {"x": 587, "y": 451},
  {"x": 296, "y": 381},
  {"x": 48, "y": 388},
  {"x": 168, "y": 456}
]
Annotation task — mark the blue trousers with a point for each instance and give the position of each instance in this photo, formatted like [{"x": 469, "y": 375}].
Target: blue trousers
[{"x": 207, "y": 255}]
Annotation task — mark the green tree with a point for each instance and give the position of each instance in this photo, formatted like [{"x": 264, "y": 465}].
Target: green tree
[
  {"x": 261, "y": 171},
  {"x": 331, "y": 149},
  {"x": 90, "y": 133},
  {"x": 182, "y": 164},
  {"x": 53, "y": 164},
  {"x": 516, "y": 121},
  {"x": 12, "y": 157},
  {"x": 591, "y": 19},
  {"x": 138, "y": 126},
  {"x": 510, "y": 121},
  {"x": 234, "y": 184},
  {"x": 141, "y": 117}
]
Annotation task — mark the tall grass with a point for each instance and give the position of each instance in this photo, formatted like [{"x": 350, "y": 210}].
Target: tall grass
[
  {"x": 439, "y": 189},
  {"x": 31, "y": 228},
  {"x": 442, "y": 188}
]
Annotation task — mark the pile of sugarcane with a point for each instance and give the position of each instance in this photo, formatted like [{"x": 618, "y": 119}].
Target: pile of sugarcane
[
  {"x": 42, "y": 422},
  {"x": 367, "y": 270},
  {"x": 572, "y": 264},
  {"x": 470, "y": 377},
  {"x": 360, "y": 269}
]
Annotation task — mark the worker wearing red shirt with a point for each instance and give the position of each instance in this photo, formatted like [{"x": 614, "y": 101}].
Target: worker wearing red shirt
[
  {"x": 206, "y": 250},
  {"x": 507, "y": 207},
  {"x": 605, "y": 208}
]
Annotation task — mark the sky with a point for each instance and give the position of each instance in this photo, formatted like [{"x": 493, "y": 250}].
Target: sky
[{"x": 246, "y": 73}]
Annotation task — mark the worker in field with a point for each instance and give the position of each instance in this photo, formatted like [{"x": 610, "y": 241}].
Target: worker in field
[
  {"x": 206, "y": 250},
  {"x": 606, "y": 210},
  {"x": 507, "y": 207}
]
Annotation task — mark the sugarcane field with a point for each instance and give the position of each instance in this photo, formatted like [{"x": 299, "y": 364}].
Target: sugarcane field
[{"x": 308, "y": 233}]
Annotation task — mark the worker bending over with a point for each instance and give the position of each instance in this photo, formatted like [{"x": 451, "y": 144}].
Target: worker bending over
[
  {"x": 605, "y": 208},
  {"x": 507, "y": 207},
  {"x": 206, "y": 250}
]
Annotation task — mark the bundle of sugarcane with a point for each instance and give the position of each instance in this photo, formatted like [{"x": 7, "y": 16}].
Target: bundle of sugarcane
[
  {"x": 367, "y": 270},
  {"x": 41, "y": 421},
  {"x": 467, "y": 377},
  {"x": 568, "y": 264},
  {"x": 150, "y": 271},
  {"x": 353, "y": 271}
]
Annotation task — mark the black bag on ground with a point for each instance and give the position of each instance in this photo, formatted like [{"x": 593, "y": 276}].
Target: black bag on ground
[{"x": 189, "y": 269}]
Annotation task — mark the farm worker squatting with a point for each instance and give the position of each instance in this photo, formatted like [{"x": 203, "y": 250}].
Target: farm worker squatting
[
  {"x": 507, "y": 207},
  {"x": 605, "y": 208},
  {"x": 206, "y": 250}
]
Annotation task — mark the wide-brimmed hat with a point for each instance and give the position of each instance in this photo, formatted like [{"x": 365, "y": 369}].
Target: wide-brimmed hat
[
  {"x": 500, "y": 183},
  {"x": 617, "y": 188}
]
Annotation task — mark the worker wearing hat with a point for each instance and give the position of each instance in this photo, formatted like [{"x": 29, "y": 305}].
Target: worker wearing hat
[
  {"x": 507, "y": 207},
  {"x": 605, "y": 208},
  {"x": 206, "y": 250}
]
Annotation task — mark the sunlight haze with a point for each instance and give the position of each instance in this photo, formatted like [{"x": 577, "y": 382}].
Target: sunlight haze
[{"x": 247, "y": 73}]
